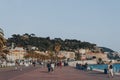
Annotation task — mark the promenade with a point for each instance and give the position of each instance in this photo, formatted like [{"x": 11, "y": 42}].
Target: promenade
[{"x": 64, "y": 73}]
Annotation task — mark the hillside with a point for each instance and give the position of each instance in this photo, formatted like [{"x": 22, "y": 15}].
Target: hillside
[
  {"x": 107, "y": 49},
  {"x": 47, "y": 43}
]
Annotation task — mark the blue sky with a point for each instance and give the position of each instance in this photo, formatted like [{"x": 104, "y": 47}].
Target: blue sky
[{"x": 95, "y": 21}]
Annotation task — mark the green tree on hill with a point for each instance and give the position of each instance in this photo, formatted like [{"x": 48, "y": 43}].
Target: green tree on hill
[{"x": 44, "y": 44}]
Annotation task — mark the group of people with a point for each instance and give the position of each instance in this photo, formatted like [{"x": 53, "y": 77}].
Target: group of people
[
  {"x": 50, "y": 66},
  {"x": 82, "y": 66}
]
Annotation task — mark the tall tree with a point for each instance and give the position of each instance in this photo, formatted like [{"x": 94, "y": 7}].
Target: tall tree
[
  {"x": 2, "y": 42},
  {"x": 57, "y": 49}
]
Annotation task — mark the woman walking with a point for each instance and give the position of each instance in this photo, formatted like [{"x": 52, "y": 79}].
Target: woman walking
[
  {"x": 110, "y": 69},
  {"x": 52, "y": 66}
]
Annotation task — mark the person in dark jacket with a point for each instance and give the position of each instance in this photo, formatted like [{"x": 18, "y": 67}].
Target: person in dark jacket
[{"x": 48, "y": 66}]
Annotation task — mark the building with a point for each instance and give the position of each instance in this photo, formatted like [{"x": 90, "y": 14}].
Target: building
[
  {"x": 103, "y": 56},
  {"x": 88, "y": 54},
  {"x": 67, "y": 54},
  {"x": 82, "y": 53},
  {"x": 17, "y": 53}
]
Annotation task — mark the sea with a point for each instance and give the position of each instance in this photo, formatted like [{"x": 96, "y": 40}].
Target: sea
[{"x": 116, "y": 67}]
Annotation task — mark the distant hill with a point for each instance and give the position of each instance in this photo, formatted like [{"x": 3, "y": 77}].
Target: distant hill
[
  {"x": 112, "y": 54},
  {"x": 107, "y": 49}
]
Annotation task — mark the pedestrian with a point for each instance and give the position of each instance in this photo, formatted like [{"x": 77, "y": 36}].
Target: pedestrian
[
  {"x": 34, "y": 63},
  {"x": 60, "y": 64},
  {"x": 52, "y": 66},
  {"x": 48, "y": 66},
  {"x": 17, "y": 65},
  {"x": 86, "y": 66},
  {"x": 110, "y": 69},
  {"x": 42, "y": 64},
  {"x": 77, "y": 66}
]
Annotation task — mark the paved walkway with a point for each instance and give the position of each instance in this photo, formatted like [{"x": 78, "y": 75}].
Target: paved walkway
[
  {"x": 66, "y": 73},
  {"x": 10, "y": 72}
]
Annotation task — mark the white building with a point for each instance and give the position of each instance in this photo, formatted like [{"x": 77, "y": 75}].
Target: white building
[
  {"x": 17, "y": 53},
  {"x": 67, "y": 54}
]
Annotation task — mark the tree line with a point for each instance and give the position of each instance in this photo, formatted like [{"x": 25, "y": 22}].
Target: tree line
[{"x": 45, "y": 43}]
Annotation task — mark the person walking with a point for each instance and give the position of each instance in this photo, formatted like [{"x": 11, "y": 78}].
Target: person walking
[
  {"x": 52, "y": 66},
  {"x": 60, "y": 64},
  {"x": 16, "y": 65},
  {"x": 34, "y": 63},
  {"x": 86, "y": 66},
  {"x": 48, "y": 66},
  {"x": 110, "y": 69}
]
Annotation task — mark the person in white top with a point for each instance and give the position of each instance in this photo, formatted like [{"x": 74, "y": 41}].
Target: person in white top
[
  {"x": 52, "y": 66},
  {"x": 110, "y": 69}
]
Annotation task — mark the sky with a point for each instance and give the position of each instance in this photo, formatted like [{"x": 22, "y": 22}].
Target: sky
[{"x": 94, "y": 21}]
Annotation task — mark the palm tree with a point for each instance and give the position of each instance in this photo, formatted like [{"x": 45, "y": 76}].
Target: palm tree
[
  {"x": 57, "y": 49},
  {"x": 2, "y": 40},
  {"x": 51, "y": 55},
  {"x": 2, "y": 45}
]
